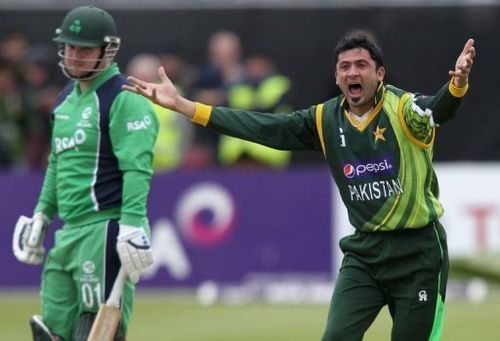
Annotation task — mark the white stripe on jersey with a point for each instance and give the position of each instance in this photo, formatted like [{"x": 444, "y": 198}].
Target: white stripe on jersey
[{"x": 94, "y": 180}]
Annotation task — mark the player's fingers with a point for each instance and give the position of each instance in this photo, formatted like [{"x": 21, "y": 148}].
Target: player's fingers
[
  {"x": 468, "y": 64},
  {"x": 142, "y": 91},
  {"x": 162, "y": 74},
  {"x": 472, "y": 52},
  {"x": 136, "y": 81},
  {"x": 153, "y": 96},
  {"x": 129, "y": 88},
  {"x": 164, "y": 78},
  {"x": 468, "y": 45}
]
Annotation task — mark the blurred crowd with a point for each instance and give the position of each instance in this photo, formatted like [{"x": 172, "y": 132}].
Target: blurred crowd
[{"x": 30, "y": 82}]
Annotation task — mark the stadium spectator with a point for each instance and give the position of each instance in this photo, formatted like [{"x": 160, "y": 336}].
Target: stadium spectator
[
  {"x": 177, "y": 67},
  {"x": 262, "y": 89},
  {"x": 174, "y": 131},
  {"x": 13, "y": 123},
  {"x": 378, "y": 142},
  {"x": 223, "y": 68},
  {"x": 41, "y": 89},
  {"x": 13, "y": 50}
]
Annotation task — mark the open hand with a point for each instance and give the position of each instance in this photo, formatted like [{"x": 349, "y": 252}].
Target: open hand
[
  {"x": 164, "y": 94},
  {"x": 463, "y": 65}
]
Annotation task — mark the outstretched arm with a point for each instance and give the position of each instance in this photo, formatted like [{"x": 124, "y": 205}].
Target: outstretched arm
[
  {"x": 164, "y": 94},
  {"x": 422, "y": 113},
  {"x": 293, "y": 131},
  {"x": 463, "y": 65}
]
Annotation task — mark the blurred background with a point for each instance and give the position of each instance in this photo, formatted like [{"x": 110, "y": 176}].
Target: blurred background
[{"x": 245, "y": 233}]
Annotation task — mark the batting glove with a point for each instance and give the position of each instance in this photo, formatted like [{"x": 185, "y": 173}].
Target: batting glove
[
  {"x": 134, "y": 251},
  {"x": 27, "y": 242}
]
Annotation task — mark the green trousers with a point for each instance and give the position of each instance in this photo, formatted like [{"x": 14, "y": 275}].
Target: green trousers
[
  {"x": 405, "y": 269},
  {"x": 78, "y": 276}
]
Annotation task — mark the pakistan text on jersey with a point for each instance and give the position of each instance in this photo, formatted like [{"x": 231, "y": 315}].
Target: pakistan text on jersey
[{"x": 375, "y": 190}]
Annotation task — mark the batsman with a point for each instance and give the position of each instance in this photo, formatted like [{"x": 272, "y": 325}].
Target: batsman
[
  {"x": 97, "y": 181},
  {"x": 378, "y": 142}
]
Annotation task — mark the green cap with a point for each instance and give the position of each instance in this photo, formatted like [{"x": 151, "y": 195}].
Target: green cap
[{"x": 87, "y": 26}]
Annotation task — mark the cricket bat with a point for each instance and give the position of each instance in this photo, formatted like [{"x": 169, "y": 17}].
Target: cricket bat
[{"x": 109, "y": 314}]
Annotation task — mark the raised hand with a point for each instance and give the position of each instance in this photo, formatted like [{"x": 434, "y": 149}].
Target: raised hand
[
  {"x": 164, "y": 94},
  {"x": 463, "y": 65}
]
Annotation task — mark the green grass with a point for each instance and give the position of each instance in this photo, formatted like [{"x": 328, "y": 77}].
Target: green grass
[{"x": 166, "y": 316}]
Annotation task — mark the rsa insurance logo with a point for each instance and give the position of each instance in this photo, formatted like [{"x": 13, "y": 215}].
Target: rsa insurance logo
[
  {"x": 206, "y": 214},
  {"x": 368, "y": 169}
]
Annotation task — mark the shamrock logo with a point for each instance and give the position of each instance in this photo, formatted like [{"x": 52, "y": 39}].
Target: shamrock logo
[{"x": 75, "y": 27}]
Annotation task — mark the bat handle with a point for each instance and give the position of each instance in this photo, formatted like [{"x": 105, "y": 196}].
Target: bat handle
[{"x": 116, "y": 291}]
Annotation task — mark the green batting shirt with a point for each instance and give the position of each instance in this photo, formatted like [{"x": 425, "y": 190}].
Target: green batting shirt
[
  {"x": 381, "y": 166},
  {"x": 100, "y": 165}
]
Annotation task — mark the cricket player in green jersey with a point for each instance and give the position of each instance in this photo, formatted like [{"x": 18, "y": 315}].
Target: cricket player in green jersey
[
  {"x": 97, "y": 181},
  {"x": 378, "y": 142}
]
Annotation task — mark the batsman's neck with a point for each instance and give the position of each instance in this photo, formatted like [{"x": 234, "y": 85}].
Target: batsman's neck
[{"x": 84, "y": 85}]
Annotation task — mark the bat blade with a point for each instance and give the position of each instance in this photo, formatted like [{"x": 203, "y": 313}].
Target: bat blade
[
  {"x": 108, "y": 317},
  {"x": 105, "y": 324}
]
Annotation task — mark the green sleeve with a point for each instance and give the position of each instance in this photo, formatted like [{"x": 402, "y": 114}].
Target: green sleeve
[
  {"x": 422, "y": 113},
  {"x": 47, "y": 203},
  {"x": 133, "y": 129},
  {"x": 291, "y": 131}
]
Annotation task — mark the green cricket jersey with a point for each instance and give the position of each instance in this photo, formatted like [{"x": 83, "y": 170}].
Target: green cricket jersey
[
  {"x": 381, "y": 166},
  {"x": 100, "y": 166}
]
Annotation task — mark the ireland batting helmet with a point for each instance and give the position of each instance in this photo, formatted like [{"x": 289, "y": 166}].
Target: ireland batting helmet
[{"x": 89, "y": 26}]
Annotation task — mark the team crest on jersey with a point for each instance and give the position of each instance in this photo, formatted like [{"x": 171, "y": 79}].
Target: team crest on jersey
[
  {"x": 84, "y": 121},
  {"x": 379, "y": 134},
  {"x": 86, "y": 113},
  {"x": 88, "y": 267}
]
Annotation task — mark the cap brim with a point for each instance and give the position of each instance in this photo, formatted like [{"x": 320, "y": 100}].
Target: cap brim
[{"x": 75, "y": 42}]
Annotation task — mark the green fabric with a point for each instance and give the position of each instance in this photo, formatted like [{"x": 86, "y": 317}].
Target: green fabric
[
  {"x": 69, "y": 185},
  {"x": 73, "y": 279},
  {"x": 405, "y": 270},
  {"x": 396, "y": 186},
  {"x": 294, "y": 131},
  {"x": 437, "y": 328},
  {"x": 420, "y": 118}
]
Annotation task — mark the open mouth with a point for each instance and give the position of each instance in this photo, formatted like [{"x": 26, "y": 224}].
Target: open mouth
[{"x": 355, "y": 89}]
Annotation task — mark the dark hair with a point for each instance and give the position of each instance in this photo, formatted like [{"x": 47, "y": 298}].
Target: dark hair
[{"x": 350, "y": 42}]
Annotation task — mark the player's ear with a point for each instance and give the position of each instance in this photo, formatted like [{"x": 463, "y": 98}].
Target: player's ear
[{"x": 380, "y": 73}]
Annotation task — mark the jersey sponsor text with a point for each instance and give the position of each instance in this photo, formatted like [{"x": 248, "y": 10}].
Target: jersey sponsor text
[
  {"x": 65, "y": 143},
  {"x": 139, "y": 124},
  {"x": 367, "y": 169}
]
